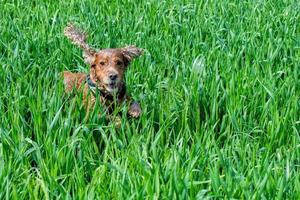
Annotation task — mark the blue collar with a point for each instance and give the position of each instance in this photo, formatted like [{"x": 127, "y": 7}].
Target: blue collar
[{"x": 91, "y": 84}]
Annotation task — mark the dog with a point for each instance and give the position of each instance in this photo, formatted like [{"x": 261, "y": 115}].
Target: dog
[{"x": 105, "y": 80}]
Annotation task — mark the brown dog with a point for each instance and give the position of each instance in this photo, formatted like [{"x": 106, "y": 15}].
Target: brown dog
[{"x": 105, "y": 82}]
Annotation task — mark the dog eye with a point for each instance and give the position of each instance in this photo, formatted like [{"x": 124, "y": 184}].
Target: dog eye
[
  {"x": 119, "y": 62},
  {"x": 102, "y": 63}
]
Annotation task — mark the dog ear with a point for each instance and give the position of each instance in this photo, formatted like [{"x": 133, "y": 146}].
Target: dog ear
[
  {"x": 89, "y": 57},
  {"x": 78, "y": 38},
  {"x": 130, "y": 53}
]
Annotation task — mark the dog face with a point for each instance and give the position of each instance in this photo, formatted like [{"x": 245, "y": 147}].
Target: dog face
[
  {"x": 109, "y": 65},
  {"x": 108, "y": 69}
]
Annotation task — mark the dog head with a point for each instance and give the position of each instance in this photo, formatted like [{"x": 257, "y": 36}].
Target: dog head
[{"x": 107, "y": 66}]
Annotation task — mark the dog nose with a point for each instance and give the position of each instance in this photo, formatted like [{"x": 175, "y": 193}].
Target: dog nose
[{"x": 113, "y": 77}]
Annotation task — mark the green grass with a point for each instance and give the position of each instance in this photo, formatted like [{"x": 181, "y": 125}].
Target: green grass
[{"x": 218, "y": 84}]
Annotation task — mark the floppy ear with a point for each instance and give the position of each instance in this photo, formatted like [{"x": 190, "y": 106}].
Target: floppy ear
[
  {"x": 89, "y": 57},
  {"x": 79, "y": 39},
  {"x": 130, "y": 53}
]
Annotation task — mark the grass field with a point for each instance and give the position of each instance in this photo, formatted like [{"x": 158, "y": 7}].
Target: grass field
[{"x": 218, "y": 84}]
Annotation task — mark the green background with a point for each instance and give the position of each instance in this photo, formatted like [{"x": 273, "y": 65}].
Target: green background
[{"x": 218, "y": 84}]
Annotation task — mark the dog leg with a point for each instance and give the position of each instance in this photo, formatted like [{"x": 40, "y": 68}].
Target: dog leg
[{"x": 135, "y": 110}]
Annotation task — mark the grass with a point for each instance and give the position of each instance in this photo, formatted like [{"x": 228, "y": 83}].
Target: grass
[{"x": 218, "y": 84}]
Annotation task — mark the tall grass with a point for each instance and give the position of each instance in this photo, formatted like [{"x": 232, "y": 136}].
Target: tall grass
[{"x": 218, "y": 84}]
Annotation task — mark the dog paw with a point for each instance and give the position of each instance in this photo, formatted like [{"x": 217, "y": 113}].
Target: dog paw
[{"x": 135, "y": 110}]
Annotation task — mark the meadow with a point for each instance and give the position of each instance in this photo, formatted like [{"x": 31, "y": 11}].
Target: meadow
[{"x": 218, "y": 84}]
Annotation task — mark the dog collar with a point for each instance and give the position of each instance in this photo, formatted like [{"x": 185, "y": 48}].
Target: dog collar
[
  {"x": 93, "y": 87},
  {"x": 90, "y": 83}
]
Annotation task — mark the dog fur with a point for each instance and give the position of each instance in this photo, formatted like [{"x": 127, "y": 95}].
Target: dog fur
[{"x": 107, "y": 70}]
